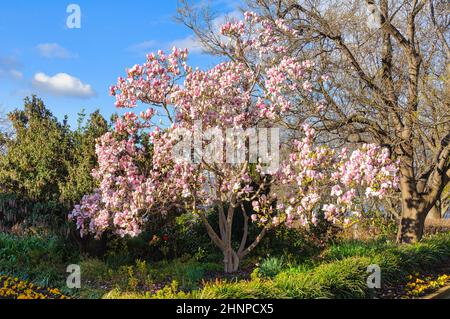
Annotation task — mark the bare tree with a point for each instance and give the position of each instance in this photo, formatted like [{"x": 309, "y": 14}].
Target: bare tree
[
  {"x": 3, "y": 120},
  {"x": 389, "y": 66},
  {"x": 4, "y": 130}
]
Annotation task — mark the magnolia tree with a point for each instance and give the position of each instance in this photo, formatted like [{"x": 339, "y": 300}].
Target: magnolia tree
[{"x": 216, "y": 153}]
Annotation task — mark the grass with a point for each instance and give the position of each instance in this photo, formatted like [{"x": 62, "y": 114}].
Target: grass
[
  {"x": 353, "y": 248},
  {"x": 338, "y": 272}
]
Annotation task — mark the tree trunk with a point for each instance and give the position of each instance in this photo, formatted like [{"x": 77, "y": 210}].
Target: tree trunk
[
  {"x": 411, "y": 225},
  {"x": 232, "y": 258},
  {"x": 413, "y": 215},
  {"x": 435, "y": 212},
  {"x": 231, "y": 261}
]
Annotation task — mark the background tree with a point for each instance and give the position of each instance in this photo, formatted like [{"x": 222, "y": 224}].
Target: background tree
[
  {"x": 79, "y": 180},
  {"x": 4, "y": 129},
  {"x": 45, "y": 167},
  {"x": 35, "y": 161},
  {"x": 388, "y": 65}
]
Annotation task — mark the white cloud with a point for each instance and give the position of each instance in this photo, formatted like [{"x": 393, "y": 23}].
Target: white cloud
[
  {"x": 62, "y": 84},
  {"x": 9, "y": 68},
  {"x": 54, "y": 50},
  {"x": 16, "y": 74},
  {"x": 143, "y": 47},
  {"x": 189, "y": 42}
]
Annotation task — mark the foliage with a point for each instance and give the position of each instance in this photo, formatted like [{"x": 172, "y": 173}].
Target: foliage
[
  {"x": 93, "y": 270},
  {"x": 355, "y": 248},
  {"x": 340, "y": 272},
  {"x": 186, "y": 237},
  {"x": 46, "y": 167},
  {"x": 141, "y": 276},
  {"x": 271, "y": 267},
  {"x": 21, "y": 215},
  {"x": 188, "y": 274},
  {"x": 79, "y": 180},
  {"x": 42, "y": 259},
  {"x": 371, "y": 225},
  {"x": 299, "y": 243},
  {"x": 118, "y": 294},
  {"x": 34, "y": 164}
]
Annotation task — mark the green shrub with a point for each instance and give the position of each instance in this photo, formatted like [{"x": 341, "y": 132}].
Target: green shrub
[
  {"x": 171, "y": 291},
  {"x": 41, "y": 259},
  {"x": 188, "y": 274},
  {"x": 345, "y": 278},
  {"x": 342, "y": 272},
  {"x": 300, "y": 286},
  {"x": 46, "y": 167},
  {"x": 93, "y": 270},
  {"x": 271, "y": 266},
  {"x": 299, "y": 243}
]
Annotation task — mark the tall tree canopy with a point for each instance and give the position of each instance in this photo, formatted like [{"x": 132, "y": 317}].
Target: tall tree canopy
[
  {"x": 387, "y": 63},
  {"x": 45, "y": 167},
  {"x": 34, "y": 165}
]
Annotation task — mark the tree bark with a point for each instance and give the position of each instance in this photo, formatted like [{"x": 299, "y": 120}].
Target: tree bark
[
  {"x": 411, "y": 225},
  {"x": 231, "y": 261},
  {"x": 418, "y": 200},
  {"x": 232, "y": 258},
  {"x": 435, "y": 213}
]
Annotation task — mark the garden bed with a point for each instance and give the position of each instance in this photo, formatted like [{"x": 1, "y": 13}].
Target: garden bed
[
  {"x": 14, "y": 288},
  {"x": 340, "y": 271}
]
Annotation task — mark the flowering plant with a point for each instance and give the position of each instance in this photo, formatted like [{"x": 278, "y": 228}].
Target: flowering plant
[{"x": 240, "y": 95}]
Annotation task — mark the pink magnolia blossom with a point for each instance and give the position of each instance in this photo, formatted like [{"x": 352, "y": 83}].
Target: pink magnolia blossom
[{"x": 136, "y": 180}]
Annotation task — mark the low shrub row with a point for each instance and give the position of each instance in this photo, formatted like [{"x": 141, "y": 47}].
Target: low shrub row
[
  {"x": 38, "y": 258},
  {"x": 341, "y": 272}
]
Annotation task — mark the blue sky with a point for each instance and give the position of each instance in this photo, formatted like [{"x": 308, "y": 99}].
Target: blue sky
[{"x": 72, "y": 69}]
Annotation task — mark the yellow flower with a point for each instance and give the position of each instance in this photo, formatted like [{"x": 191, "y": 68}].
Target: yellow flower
[{"x": 13, "y": 288}]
